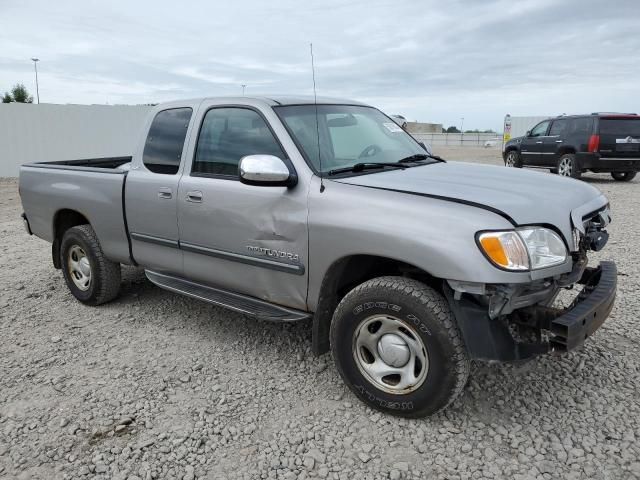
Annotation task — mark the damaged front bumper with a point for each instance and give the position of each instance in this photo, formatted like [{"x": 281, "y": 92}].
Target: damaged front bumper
[{"x": 491, "y": 335}]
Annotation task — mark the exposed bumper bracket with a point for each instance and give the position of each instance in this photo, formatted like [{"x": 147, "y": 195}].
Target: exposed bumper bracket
[{"x": 491, "y": 339}]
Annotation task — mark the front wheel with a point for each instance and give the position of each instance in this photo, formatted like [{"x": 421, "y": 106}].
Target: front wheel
[
  {"x": 397, "y": 346},
  {"x": 623, "y": 176},
  {"x": 513, "y": 159},
  {"x": 568, "y": 166}
]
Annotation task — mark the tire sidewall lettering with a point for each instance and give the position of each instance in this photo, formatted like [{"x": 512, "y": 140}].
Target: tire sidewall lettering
[
  {"x": 363, "y": 307},
  {"x": 383, "y": 403},
  {"x": 409, "y": 317}
]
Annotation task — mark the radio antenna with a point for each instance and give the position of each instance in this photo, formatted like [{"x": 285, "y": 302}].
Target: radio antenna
[{"x": 315, "y": 103}]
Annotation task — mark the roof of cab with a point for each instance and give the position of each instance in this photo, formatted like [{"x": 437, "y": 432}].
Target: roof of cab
[
  {"x": 308, "y": 99},
  {"x": 272, "y": 100}
]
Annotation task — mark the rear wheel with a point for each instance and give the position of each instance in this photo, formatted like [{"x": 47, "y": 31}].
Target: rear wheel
[
  {"x": 90, "y": 276},
  {"x": 397, "y": 346},
  {"x": 568, "y": 166},
  {"x": 513, "y": 159},
  {"x": 623, "y": 176}
]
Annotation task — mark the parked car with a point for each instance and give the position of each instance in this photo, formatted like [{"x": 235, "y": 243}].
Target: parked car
[
  {"x": 571, "y": 145},
  {"x": 407, "y": 266}
]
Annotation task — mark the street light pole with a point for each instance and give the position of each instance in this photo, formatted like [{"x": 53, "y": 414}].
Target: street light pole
[
  {"x": 243, "y": 87},
  {"x": 35, "y": 67}
]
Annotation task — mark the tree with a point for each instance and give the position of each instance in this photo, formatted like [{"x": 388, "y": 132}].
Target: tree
[
  {"x": 19, "y": 94},
  {"x": 452, "y": 130}
]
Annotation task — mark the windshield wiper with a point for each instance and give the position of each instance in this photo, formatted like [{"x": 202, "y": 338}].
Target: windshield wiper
[
  {"x": 359, "y": 167},
  {"x": 419, "y": 157},
  {"x": 402, "y": 163}
]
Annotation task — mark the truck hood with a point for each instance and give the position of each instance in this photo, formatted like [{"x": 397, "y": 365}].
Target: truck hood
[{"x": 524, "y": 197}]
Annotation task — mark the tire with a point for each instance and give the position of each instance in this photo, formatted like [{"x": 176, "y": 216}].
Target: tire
[
  {"x": 623, "y": 176},
  {"x": 90, "y": 276},
  {"x": 568, "y": 166},
  {"x": 513, "y": 159},
  {"x": 420, "y": 318}
]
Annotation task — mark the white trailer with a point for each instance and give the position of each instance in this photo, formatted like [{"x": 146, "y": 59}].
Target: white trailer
[{"x": 518, "y": 126}]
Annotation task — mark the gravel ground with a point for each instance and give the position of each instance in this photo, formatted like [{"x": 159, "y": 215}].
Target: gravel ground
[{"x": 154, "y": 385}]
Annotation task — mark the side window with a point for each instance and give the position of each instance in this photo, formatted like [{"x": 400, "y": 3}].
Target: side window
[
  {"x": 540, "y": 129},
  {"x": 559, "y": 127},
  {"x": 582, "y": 126},
  {"x": 227, "y": 135},
  {"x": 163, "y": 148}
]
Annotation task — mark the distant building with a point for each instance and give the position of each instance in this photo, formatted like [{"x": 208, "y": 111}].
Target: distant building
[{"x": 419, "y": 127}]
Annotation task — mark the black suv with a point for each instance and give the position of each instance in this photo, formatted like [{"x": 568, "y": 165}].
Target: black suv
[{"x": 570, "y": 145}]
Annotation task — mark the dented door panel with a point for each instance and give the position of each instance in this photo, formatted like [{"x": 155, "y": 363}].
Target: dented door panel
[{"x": 248, "y": 239}]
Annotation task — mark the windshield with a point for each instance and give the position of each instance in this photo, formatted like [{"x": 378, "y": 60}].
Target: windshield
[{"x": 347, "y": 135}]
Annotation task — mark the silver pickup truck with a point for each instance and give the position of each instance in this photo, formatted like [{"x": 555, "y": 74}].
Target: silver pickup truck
[{"x": 406, "y": 266}]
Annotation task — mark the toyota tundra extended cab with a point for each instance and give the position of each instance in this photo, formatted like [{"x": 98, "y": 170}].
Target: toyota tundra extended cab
[{"x": 406, "y": 266}]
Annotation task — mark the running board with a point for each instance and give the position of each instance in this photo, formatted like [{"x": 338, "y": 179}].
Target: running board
[{"x": 233, "y": 301}]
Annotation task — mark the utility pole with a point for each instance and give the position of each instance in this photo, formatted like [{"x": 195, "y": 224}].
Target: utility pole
[
  {"x": 243, "y": 87},
  {"x": 461, "y": 130},
  {"x": 35, "y": 67}
]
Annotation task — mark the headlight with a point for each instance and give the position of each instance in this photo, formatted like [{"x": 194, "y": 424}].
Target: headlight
[{"x": 529, "y": 248}]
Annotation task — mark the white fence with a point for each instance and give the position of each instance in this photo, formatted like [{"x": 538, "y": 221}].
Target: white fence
[
  {"x": 46, "y": 132},
  {"x": 459, "y": 139}
]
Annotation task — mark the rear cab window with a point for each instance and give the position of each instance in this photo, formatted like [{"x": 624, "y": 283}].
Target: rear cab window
[{"x": 165, "y": 141}]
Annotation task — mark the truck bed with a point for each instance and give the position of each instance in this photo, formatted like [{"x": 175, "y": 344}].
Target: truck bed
[{"x": 92, "y": 187}]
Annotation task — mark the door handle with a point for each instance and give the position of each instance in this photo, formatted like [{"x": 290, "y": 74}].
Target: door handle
[
  {"x": 558, "y": 141},
  {"x": 165, "y": 192},
  {"x": 194, "y": 197},
  {"x": 539, "y": 141}
]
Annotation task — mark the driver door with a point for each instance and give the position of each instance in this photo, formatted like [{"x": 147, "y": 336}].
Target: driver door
[
  {"x": 532, "y": 146},
  {"x": 241, "y": 238}
]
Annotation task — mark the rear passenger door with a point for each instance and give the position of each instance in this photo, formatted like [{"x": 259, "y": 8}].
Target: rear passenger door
[
  {"x": 151, "y": 193},
  {"x": 241, "y": 238},
  {"x": 532, "y": 145},
  {"x": 552, "y": 143}
]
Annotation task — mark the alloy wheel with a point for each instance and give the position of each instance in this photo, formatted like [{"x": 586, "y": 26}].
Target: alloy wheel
[{"x": 565, "y": 167}]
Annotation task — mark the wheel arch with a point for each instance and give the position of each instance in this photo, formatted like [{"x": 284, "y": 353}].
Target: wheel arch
[
  {"x": 63, "y": 220},
  {"x": 346, "y": 273},
  {"x": 565, "y": 149}
]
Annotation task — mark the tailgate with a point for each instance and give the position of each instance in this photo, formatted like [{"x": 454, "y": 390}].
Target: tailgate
[{"x": 620, "y": 136}]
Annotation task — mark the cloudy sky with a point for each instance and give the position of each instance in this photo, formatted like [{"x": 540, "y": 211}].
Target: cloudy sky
[{"x": 431, "y": 61}]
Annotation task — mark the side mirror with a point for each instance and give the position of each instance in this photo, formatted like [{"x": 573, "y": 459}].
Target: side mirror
[
  {"x": 266, "y": 171},
  {"x": 528, "y": 134}
]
